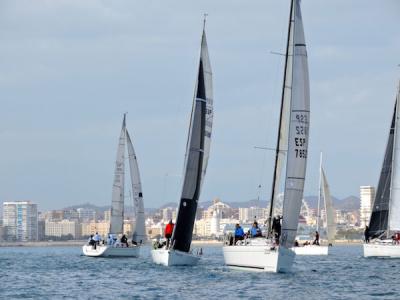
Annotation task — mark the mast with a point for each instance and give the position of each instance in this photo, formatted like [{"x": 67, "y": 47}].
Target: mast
[
  {"x": 278, "y": 151},
  {"x": 320, "y": 192}
]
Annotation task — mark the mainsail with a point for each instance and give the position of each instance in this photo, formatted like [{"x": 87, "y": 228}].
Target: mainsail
[
  {"x": 394, "y": 209},
  {"x": 330, "y": 216},
  {"x": 378, "y": 223},
  {"x": 117, "y": 204},
  {"x": 139, "y": 230},
  {"x": 197, "y": 152},
  {"x": 298, "y": 129},
  {"x": 282, "y": 139}
]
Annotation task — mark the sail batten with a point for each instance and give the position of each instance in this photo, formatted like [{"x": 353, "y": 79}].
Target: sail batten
[
  {"x": 197, "y": 152},
  {"x": 299, "y": 121}
]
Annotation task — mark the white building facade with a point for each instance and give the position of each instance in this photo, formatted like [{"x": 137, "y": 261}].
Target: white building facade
[
  {"x": 20, "y": 221},
  {"x": 62, "y": 228},
  {"x": 367, "y": 196}
]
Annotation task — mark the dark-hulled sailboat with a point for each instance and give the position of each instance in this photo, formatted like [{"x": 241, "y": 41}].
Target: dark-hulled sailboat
[{"x": 196, "y": 159}]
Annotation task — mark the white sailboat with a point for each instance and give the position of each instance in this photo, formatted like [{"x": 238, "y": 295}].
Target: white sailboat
[
  {"x": 324, "y": 194},
  {"x": 196, "y": 159},
  {"x": 117, "y": 205},
  {"x": 264, "y": 254},
  {"x": 385, "y": 217}
]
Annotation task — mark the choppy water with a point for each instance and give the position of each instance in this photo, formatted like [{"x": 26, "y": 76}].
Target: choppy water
[{"x": 63, "y": 273}]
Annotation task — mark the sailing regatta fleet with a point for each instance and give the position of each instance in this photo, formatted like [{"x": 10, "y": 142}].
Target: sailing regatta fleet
[{"x": 273, "y": 249}]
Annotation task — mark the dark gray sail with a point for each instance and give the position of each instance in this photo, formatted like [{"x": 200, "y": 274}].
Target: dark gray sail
[
  {"x": 197, "y": 152},
  {"x": 378, "y": 223}
]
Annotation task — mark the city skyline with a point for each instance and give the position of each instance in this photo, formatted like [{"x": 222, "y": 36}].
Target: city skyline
[{"x": 66, "y": 86}]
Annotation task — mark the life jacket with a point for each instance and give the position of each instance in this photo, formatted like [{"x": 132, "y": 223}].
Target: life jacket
[{"x": 169, "y": 229}]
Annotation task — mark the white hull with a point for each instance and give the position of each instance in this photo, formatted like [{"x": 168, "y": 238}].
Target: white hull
[
  {"x": 311, "y": 250},
  {"x": 259, "y": 258},
  {"x": 379, "y": 249},
  {"x": 174, "y": 258},
  {"x": 110, "y": 251}
]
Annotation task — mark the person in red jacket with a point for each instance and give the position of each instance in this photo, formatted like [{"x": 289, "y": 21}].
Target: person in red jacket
[{"x": 168, "y": 231}]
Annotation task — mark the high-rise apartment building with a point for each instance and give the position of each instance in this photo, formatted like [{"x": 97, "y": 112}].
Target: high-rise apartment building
[
  {"x": 20, "y": 221},
  {"x": 251, "y": 213},
  {"x": 86, "y": 214},
  {"x": 367, "y": 196}
]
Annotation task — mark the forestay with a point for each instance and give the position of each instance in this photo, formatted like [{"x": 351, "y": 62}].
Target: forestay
[
  {"x": 394, "y": 210},
  {"x": 139, "y": 230},
  {"x": 298, "y": 131},
  {"x": 330, "y": 217},
  {"x": 117, "y": 204},
  {"x": 378, "y": 223},
  {"x": 197, "y": 152}
]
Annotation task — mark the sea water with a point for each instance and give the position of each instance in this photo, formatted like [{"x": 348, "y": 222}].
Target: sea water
[{"x": 64, "y": 273}]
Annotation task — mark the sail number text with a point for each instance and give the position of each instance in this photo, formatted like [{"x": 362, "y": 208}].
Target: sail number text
[{"x": 300, "y": 139}]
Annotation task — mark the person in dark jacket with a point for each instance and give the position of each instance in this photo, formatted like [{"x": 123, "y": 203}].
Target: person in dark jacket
[
  {"x": 366, "y": 234},
  {"x": 316, "y": 240},
  {"x": 124, "y": 240},
  {"x": 276, "y": 228}
]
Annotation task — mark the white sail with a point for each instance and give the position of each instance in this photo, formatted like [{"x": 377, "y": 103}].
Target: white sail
[
  {"x": 329, "y": 211},
  {"x": 139, "y": 230},
  {"x": 298, "y": 132},
  {"x": 394, "y": 206},
  {"x": 282, "y": 144},
  {"x": 117, "y": 204}
]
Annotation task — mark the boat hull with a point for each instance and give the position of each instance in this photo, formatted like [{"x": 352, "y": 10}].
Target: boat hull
[
  {"x": 385, "y": 250},
  {"x": 110, "y": 251},
  {"x": 311, "y": 250},
  {"x": 259, "y": 258},
  {"x": 173, "y": 257}
]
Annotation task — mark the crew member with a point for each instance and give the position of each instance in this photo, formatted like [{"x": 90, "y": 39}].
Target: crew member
[
  {"x": 366, "y": 234},
  {"x": 255, "y": 230},
  {"x": 239, "y": 233},
  {"x": 169, "y": 229},
  {"x": 276, "y": 228},
  {"x": 316, "y": 240},
  {"x": 124, "y": 240}
]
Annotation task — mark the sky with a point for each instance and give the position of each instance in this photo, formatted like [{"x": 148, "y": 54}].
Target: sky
[{"x": 69, "y": 69}]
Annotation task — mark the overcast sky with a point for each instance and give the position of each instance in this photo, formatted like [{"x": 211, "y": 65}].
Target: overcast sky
[{"x": 69, "y": 69}]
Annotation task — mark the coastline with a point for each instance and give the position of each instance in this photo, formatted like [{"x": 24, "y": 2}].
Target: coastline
[{"x": 79, "y": 243}]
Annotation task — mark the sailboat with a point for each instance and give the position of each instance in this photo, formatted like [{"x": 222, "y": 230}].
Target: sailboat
[
  {"x": 268, "y": 253},
  {"x": 115, "y": 248},
  {"x": 385, "y": 216},
  {"x": 324, "y": 194},
  {"x": 196, "y": 159}
]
